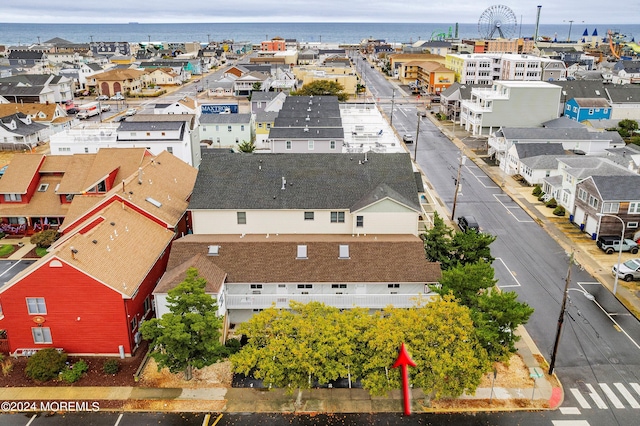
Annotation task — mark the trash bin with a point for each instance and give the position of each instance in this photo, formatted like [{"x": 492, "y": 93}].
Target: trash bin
[
  {"x": 582, "y": 226},
  {"x": 594, "y": 236},
  {"x": 571, "y": 218}
]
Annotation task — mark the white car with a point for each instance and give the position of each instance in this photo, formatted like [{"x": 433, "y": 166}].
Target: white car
[
  {"x": 628, "y": 271},
  {"x": 117, "y": 97},
  {"x": 105, "y": 108},
  {"x": 102, "y": 98},
  {"x": 131, "y": 111}
]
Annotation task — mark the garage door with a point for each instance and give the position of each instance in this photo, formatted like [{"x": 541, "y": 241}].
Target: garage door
[
  {"x": 579, "y": 217},
  {"x": 592, "y": 225}
]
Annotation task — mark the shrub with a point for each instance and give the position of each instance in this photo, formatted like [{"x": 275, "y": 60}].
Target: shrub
[
  {"x": 559, "y": 211},
  {"x": 537, "y": 191},
  {"x": 2, "y": 234},
  {"x": 44, "y": 239},
  {"x": 232, "y": 346},
  {"x": 541, "y": 197},
  {"x": 45, "y": 364},
  {"x": 552, "y": 203},
  {"x": 73, "y": 373},
  {"x": 6, "y": 365},
  {"x": 111, "y": 366}
]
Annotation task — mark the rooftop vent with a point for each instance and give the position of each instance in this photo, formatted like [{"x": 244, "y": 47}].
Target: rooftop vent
[{"x": 156, "y": 203}]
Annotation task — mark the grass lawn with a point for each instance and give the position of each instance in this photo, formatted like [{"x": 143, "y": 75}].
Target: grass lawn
[
  {"x": 40, "y": 251},
  {"x": 6, "y": 249}
]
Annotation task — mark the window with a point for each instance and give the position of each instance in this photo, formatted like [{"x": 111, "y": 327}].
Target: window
[
  {"x": 36, "y": 305},
  {"x": 242, "y": 127},
  {"x": 148, "y": 134},
  {"x": 610, "y": 207},
  {"x": 582, "y": 194},
  {"x": 134, "y": 323},
  {"x": 337, "y": 217},
  {"x": 12, "y": 197},
  {"x": 344, "y": 251},
  {"x": 256, "y": 286},
  {"x": 43, "y": 187},
  {"x": 305, "y": 285},
  {"x": 242, "y": 218},
  {"x": 308, "y": 215},
  {"x": 259, "y": 125},
  {"x": 359, "y": 221},
  {"x": 332, "y": 145},
  {"x": 590, "y": 111},
  {"x": 214, "y": 250},
  {"x": 593, "y": 202},
  {"x": 86, "y": 150},
  {"x": 170, "y": 149},
  {"x": 228, "y": 128},
  {"x": 395, "y": 285},
  {"x": 302, "y": 252},
  {"x": 147, "y": 304},
  {"x": 338, "y": 286},
  {"x": 41, "y": 335},
  {"x": 310, "y": 145},
  {"x": 634, "y": 207},
  {"x": 630, "y": 225},
  {"x": 268, "y": 125},
  {"x": 288, "y": 145}
]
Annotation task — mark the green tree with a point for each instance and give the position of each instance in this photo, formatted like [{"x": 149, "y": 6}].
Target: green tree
[
  {"x": 257, "y": 86},
  {"x": 322, "y": 88},
  {"x": 292, "y": 349},
  {"x": 467, "y": 282},
  {"x": 189, "y": 335},
  {"x": 247, "y": 146},
  {"x": 471, "y": 247},
  {"x": 442, "y": 342},
  {"x": 437, "y": 243}
]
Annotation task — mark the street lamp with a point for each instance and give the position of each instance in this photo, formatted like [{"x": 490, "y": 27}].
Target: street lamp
[
  {"x": 563, "y": 306},
  {"x": 615, "y": 280}
]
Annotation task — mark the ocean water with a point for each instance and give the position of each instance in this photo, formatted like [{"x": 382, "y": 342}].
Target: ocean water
[{"x": 19, "y": 34}]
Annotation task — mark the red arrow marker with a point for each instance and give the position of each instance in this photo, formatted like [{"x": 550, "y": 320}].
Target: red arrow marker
[{"x": 403, "y": 361}]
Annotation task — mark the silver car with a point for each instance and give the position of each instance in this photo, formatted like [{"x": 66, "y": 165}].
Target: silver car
[{"x": 628, "y": 271}]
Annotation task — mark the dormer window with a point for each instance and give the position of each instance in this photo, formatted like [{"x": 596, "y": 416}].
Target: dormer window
[{"x": 43, "y": 187}]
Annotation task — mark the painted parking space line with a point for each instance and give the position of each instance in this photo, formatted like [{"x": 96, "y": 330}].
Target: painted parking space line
[
  {"x": 570, "y": 423},
  {"x": 514, "y": 282},
  {"x": 480, "y": 177},
  {"x": 514, "y": 207},
  {"x": 581, "y": 399},
  {"x": 570, "y": 410}
]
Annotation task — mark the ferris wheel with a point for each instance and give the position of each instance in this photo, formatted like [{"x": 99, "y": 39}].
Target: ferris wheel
[{"x": 497, "y": 20}]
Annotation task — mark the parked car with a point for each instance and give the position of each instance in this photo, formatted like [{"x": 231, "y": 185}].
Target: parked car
[
  {"x": 468, "y": 222},
  {"x": 131, "y": 111},
  {"x": 106, "y": 107},
  {"x": 423, "y": 113},
  {"x": 72, "y": 111},
  {"x": 407, "y": 138},
  {"x": 200, "y": 89},
  {"x": 102, "y": 98},
  {"x": 611, "y": 244},
  {"x": 120, "y": 119},
  {"x": 628, "y": 271},
  {"x": 117, "y": 97}
]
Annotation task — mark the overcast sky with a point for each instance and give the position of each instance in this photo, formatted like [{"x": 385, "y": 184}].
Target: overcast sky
[{"x": 463, "y": 11}]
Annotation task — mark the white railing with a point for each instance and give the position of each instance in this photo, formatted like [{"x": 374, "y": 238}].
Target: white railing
[{"x": 345, "y": 301}]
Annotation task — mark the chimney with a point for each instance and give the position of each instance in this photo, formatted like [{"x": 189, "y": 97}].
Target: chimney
[
  {"x": 73, "y": 253},
  {"x": 123, "y": 185},
  {"x": 139, "y": 175}
]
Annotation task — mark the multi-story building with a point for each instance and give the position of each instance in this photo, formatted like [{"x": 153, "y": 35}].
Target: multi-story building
[{"x": 483, "y": 68}]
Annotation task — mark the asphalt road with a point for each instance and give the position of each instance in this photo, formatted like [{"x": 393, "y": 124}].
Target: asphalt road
[{"x": 598, "y": 358}]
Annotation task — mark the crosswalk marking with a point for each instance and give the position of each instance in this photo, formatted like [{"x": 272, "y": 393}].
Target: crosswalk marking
[
  {"x": 570, "y": 423},
  {"x": 569, "y": 410},
  {"x": 578, "y": 396},
  {"x": 636, "y": 387},
  {"x": 596, "y": 398},
  {"x": 612, "y": 396},
  {"x": 627, "y": 395}
]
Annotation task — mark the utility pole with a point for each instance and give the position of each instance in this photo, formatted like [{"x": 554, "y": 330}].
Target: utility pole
[
  {"x": 393, "y": 96},
  {"x": 415, "y": 148},
  {"x": 563, "y": 306},
  {"x": 455, "y": 196}
]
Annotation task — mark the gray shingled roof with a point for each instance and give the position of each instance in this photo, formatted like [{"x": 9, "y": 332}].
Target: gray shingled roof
[
  {"x": 21, "y": 128},
  {"x": 582, "y": 89},
  {"x": 562, "y": 123},
  {"x": 618, "y": 188},
  {"x": 225, "y": 118},
  {"x": 314, "y": 181},
  {"x": 263, "y": 96},
  {"x": 312, "y": 122},
  {"x": 308, "y": 132},
  {"x": 541, "y": 162},
  {"x": 582, "y": 167},
  {"x": 628, "y": 93},
  {"x": 266, "y": 116},
  {"x": 141, "y": 126},
  {"x": 549, "y": 134},
  {"x": 525, "y": 150}
]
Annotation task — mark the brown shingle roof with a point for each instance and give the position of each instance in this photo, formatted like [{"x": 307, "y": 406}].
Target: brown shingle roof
[
  {"x": 214, "y": 276},
  {"x": 119, "y": 75},
  {"x": 20, "y": 173},
  {"x": 123, "y": 253},
  {"x": 42, "y": 204},
  {"x": 272, "y": 259}
]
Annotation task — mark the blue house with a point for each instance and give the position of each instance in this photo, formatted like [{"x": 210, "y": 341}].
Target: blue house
[{"x": 582, "y": 109}]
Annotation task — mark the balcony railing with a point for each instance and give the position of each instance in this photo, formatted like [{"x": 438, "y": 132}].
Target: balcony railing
[{"x": 342, "y": 301}]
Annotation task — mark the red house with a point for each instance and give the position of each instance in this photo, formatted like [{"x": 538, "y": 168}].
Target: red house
[{"x": 89, "y": 294}]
